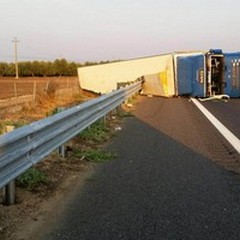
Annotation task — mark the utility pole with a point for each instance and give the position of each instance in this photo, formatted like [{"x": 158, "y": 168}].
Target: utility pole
[{"x": 15, "y": 41}]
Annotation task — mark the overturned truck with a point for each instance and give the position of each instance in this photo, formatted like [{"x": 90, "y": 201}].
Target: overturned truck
[{"x": 196, "y": 73}]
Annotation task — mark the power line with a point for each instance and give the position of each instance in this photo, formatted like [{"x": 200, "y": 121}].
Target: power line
[{"x": 15, "y": 41}]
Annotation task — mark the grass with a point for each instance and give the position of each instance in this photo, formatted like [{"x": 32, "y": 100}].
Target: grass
[
  {"x": 55, "y": 111},
  {"x": 97, "y": 132},
  {"x": 14, "y": 123},
  {"x": 31, "y": 179},
  {"x": 124, "y": 114},
  {"x": 94, "y": 155}
]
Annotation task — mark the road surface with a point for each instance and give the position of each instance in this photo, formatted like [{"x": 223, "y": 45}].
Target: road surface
[
  {"x": 173, "y": 179},
  {"x": 227, "y": 112}
]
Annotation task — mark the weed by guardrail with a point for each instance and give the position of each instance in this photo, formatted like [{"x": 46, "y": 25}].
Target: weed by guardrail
[
  {"x": 97, "y": 132},
  {"x": 13, "y": 123},
  {"x": 31, "y": 179},
  {"x": 95, "y": 155}
]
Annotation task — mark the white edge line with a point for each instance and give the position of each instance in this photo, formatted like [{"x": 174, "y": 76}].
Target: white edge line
[{"x": 231, "y": 138}]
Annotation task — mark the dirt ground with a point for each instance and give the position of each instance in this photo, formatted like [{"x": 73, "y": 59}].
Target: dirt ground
[{"x": 31, "y": 208}]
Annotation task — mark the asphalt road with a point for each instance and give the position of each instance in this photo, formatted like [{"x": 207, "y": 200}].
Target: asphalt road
[
  {"x": 168, "y": 182},
  {"x": 227, "y": 113}
]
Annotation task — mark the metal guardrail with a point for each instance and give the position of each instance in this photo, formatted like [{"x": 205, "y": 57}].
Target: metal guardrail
[{"x": 26, "y": 146}]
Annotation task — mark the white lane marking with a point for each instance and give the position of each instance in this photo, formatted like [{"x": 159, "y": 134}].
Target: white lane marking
[{"x": 231, "y": 138}]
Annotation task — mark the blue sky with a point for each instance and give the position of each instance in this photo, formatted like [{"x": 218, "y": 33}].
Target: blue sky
[{"x": 94, "y": 30}]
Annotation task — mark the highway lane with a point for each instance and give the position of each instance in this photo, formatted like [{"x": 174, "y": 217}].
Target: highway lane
[{"x": 170, "y": 181}]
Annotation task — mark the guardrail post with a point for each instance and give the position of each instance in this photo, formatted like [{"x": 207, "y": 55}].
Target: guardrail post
[
  {"x": 10, "y": 193},
  {"x": 104, "y": 119},
  {"x": 61, "y": 151},
  {"x": 114, "y": 111},
  {"x": 9, "y": 190}
]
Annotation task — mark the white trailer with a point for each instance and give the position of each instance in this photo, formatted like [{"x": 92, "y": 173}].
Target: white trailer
[{"x": 105, "y": 78}]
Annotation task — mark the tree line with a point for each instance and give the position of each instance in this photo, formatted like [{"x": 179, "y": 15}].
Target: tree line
[{"x": 59, "y": 67}]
